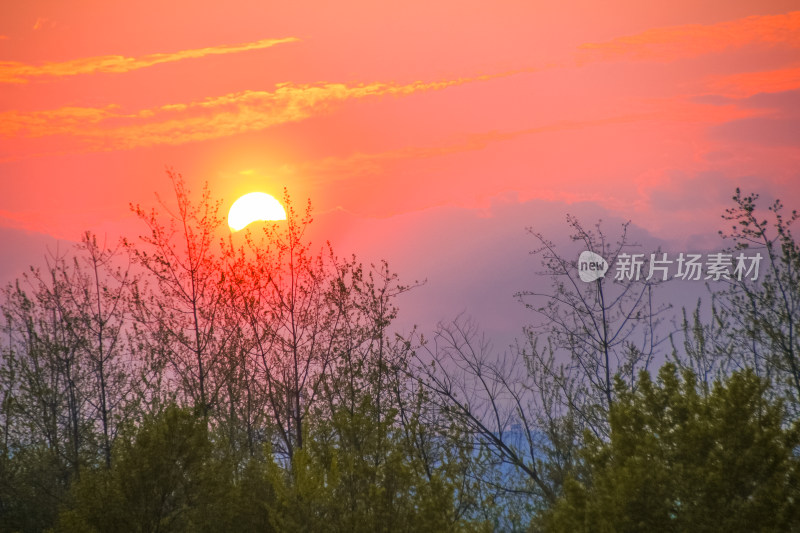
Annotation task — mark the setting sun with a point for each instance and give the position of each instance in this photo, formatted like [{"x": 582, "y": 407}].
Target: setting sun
[{"x": 252, "y": 207}]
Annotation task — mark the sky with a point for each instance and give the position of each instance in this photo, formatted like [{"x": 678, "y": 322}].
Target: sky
[{"x": 430, "y": 134}]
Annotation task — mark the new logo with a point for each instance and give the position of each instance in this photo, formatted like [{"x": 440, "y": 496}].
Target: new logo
[{"x": 591, "y": 266}]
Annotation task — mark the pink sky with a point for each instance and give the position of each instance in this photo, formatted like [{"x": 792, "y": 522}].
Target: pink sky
[{"x": 403, "y": 119}]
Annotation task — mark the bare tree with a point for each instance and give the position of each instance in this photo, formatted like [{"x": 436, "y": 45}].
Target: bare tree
[
  {"x": 282, "y": 293},
  {"x": 595, "y": 329},
  {"x": 64, "y": 362},
  {"x": 491, "y": 398},
  {"x": 762, "y": 302},
  {"x": 703, "y": 343},
  {"x": 43, "y": 368},
  {"x": 182, "y": 311},
  {"x": 98, "y": 289},
  {"x": 315, "y": 325},
  {"x": 526, "y": 409}
]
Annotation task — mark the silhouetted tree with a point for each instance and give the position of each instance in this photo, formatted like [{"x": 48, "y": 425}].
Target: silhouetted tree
[
  {"x": 764, "y": 312},
  {"x": 181, "y": 311},
  {"x": 593, "y": 330}
]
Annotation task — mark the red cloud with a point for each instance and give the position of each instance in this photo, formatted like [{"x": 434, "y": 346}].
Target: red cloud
[{"x": 675, "y": 42}]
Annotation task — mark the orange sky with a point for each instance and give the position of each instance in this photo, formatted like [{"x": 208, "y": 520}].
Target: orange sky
[{"x": 399, "y": 117}]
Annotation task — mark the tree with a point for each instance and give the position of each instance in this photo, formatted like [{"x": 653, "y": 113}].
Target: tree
[
  {"x": 99, "y": 291},
  {"x": 600, "y": 328},
  {"x": 358, "y": 472},
  {"x": 182, "y": 313},
  {"x": 526, "y": 409},
  {"x": 63, "y": 376},
  {"x": 305, "y": 315},
  {"x": 43, "y": 378},
  {"x": 678, "y": 459},
  {"x": 279, "y": 289},
  {"x": 490, "y": 400},
  {"x": 706, "y": 345},
  {"x": 764, "y": 310},
  {"x": 166, "y": 476}
]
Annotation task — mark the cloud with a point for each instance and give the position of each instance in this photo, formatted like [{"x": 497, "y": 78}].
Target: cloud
[
  {"x": 679, "y": 191},
  {"x": 473, "y": 259},
  {"x": 30, "y": 249},
  {"x": 750, "y": 83},
  {"x": 361, "y": 164},
  {"x": 770, "y": 119},
  {"x": 780, "y": 103},
  {"x": 42, "y": 22},
  {"x": 109, "y": 128},
  {"x": 65, "y": 120},
  {"x": 16, "y": 72},
  {"x": 764, "y": 131},
  {"x": 675, "y": 42}
]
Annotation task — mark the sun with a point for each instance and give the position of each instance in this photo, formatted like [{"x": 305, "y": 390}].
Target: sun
[{"x": 252, "y": 207}]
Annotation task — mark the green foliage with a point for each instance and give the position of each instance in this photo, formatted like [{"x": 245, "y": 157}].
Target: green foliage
[
  {"x": 681, "y": 460},
  {"x": 166, "y": 478},
  {"x": 33, "y": 482},
  {"x": 358, "y": 474},
  {"x": 354, "y": 475}
]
